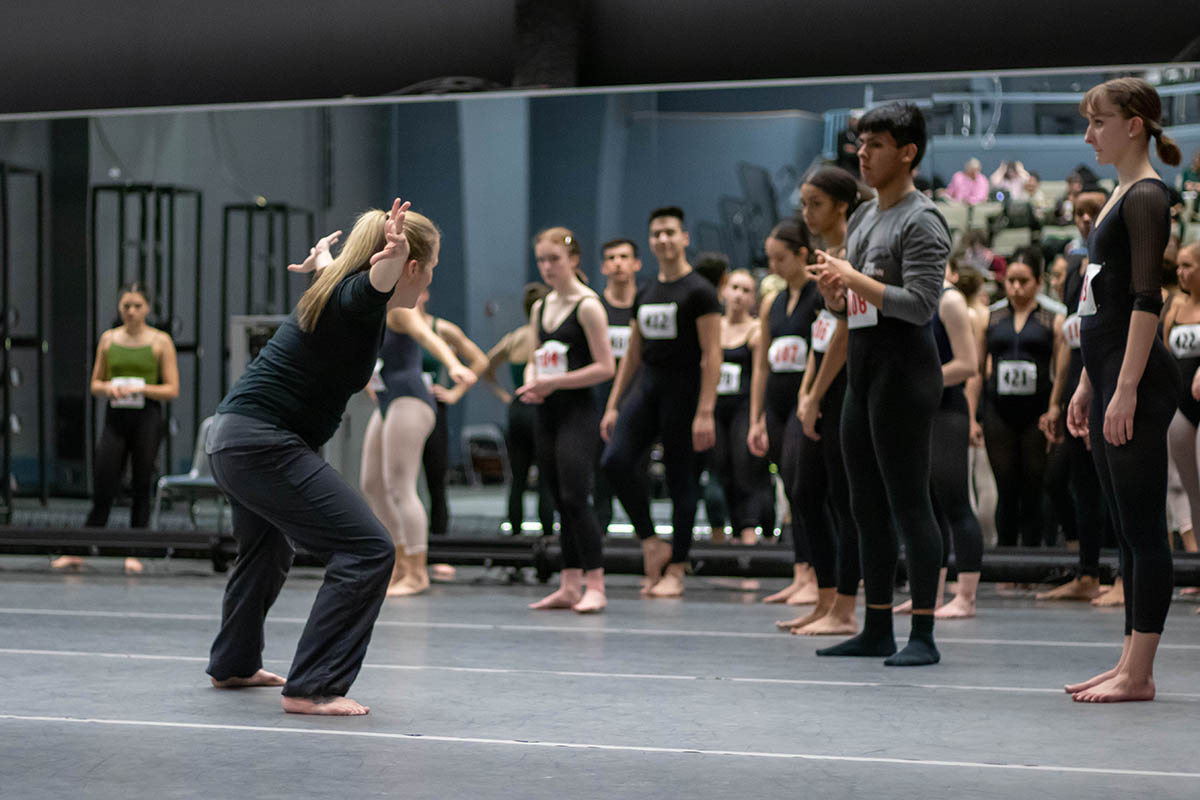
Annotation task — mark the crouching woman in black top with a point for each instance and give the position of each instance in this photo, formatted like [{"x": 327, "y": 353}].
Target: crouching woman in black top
[
  {"x": 263, "y": 445},
  {"x": 1130, "y": 387}
]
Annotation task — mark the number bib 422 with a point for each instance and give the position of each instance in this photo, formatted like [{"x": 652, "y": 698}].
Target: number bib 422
[
  {"x": 860, "y": 313},
  {"x": 1087, "y": 296},
  {"x": 788, "y": 354},
  {"x": 658, "y": 320},
  {"x": 550, "y": 359},
  {"x": 731, "y": 378},
  {"x": 1016, "y": 378},
  {"x": 1185, "y": 341}
]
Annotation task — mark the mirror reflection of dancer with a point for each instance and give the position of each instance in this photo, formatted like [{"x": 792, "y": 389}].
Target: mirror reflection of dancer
[
  {"x": 573, "y": 356},
  {"x": 516, "y": 349},
  {"x": 888, "y": 287},
  {"x": 136, "y": 372},
  {"x": 675, "y": 340},
  {"x": 1130, "y": 387},
  {"x": 395, "y": 439},
  {"x": 263, "y": 447}
]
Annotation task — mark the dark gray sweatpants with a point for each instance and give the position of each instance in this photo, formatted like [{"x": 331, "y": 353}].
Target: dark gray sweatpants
[{"x": 282, "y": 492}]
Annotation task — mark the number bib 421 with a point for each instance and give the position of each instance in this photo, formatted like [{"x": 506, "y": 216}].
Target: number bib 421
[
  {"x": 788, "y": 354},
  {"x": 658, "y": 320},
  {"x": 1087, "y": 296},
  {"x": 860, "y": 313},
  {"x": 1016, "y": 378},
  {"x": 618, "y": 340},
  {"x": 731, "y": 378},
  {"x": 550, "y": 359}
]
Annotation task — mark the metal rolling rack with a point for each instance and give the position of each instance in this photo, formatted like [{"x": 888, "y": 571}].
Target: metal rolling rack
[
  {"x": 276, "y": 282},
  {"x": 13, "y": 342},
  {"x": 158, "y": 221}
]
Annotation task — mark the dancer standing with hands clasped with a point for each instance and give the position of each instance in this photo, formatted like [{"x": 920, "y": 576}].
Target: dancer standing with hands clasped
[
  {"x": 573, "y": 355},
  {"x": 1130, "y": 387},
  {"x": 263, "y": 447},
  {"x": 888, "y": 288}
]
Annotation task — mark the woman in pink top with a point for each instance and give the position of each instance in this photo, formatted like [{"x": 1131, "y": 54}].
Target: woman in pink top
[{"x": 969, "y": 185}]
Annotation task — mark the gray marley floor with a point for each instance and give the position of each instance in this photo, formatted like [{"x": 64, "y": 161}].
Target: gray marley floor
[{"x": 103, "y": 695}]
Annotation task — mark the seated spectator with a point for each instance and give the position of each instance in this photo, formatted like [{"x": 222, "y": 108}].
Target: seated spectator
[
  {"x": 1036, "y": 197},
  {"x": 1009, "y": 179},
  {"x": 968, "y": 184},
  {"x": 975, "y": 252},
  {"x": 1087, "y": 208},
  {"x": 1080, "y": 180}
]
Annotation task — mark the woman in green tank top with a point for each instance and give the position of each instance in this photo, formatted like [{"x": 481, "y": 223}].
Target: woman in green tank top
[{"x": 136, "y": 372}]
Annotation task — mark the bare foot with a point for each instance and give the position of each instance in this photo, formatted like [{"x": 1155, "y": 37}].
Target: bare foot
[
  {"x": 1085, "y": 587},
  {"x": 66, "y": 562},
  {"x": 802, "y": 620},
  {"x": 806, "y": 595},
  {"x": 783, "y": 594},
  {"x": 656, "y": 554},
  {"x": 1190, "y": 591},
  {"x": 332, "y": 706},
  {"x": 903, "y": 608},
  {"x": 1120, "y": 688},
  {"x": 1072, "y": 688},
  {"x": 829, "y": 625},
  {"x": 443, "y": 572},
  {"x": 260, "y": 678},
  {"x": 717, "y": 536},
  {"x": 133, "y": 567},
  {"x": 562, "y": 598},
  {"x": 412, "y": 583},
  {"x": 749, "y": 536},
  {"x": 593, "y": 602},
  {"x": 1112, "y": 598},
  {"x": 671, "y": 585},
  {"x": 958, "y": 608}
]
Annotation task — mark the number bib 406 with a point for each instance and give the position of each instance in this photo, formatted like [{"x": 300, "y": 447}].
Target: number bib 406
[
  {"x": 550, "y": 359},
  {"x": 788, "y": 354},
  {"x": 731, "y": 378},
  {"x": 860, "y": 313},
  {"x": 1087, "y": 297},
  {"x": 658, "y": 320},
  {"x": 822, "y": 331},
  {"x": 1016, "y": 378}
]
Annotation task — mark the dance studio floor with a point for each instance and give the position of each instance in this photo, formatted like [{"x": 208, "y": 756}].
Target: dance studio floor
[{"x": 103, "y": 695}]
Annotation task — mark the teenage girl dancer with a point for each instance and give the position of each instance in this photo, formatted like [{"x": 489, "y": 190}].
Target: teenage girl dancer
[
  {"x": 1130, "y": 387},
  {"x": 573, "y": 355}
]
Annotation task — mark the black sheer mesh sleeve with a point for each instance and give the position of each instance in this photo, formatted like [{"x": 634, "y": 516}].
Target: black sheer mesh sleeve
[{"x": 1147, "y": 217}]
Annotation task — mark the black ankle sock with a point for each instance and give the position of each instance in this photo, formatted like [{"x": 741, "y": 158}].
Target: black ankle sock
[
  {"x": 876, "y": 638},
  {"x": 920, "y": 649}
]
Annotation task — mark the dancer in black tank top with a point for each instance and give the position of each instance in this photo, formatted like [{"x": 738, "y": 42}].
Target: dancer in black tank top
[
  {"x": 888, "y": 287},
  {"x": 1018, "y": 348},
  {"x": 619, "y": 266},
  {"x": 744, "y": 476},
  {"x": 671, "y": 370},
  {"x": 573, "y": 356},
  {"x": 1130, "y": 386}
]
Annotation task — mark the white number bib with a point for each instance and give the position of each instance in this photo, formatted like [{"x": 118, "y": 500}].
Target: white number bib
[
  {"x": 376, "y": 382},
  {"x": 731, "y": 379},
  {"x": 427, "y": 379},
  {"x": 618, "y": 340},
  {"x": 550, "y": 359},
  {"x": 788, "y": 354},
  {"x": 1016, "y": 378},
  {"x": 1071, "y": 331},
  {"x": 860, "y": 313},
  {"x": 1087, "y": 300},
  {"x": 822, "y": 331},
  {"x": 658, "y": 320},
  {"x": 135, "y": 400},
  {"x": 1185, "y": 341}
]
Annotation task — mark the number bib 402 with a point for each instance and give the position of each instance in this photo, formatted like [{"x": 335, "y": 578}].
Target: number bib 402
[
  {"x": 550, "y": 359},
  {"x": 860, "y": 313},
  {"x": 788, "y": 354},
  {"x": 1016, "y": 378},
  {"x": 658, "y": 320},
  {"x": 731, "y": 379}
]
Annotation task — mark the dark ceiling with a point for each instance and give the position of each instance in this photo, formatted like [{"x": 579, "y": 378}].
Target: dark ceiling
[{"x": 66, "y": 54}]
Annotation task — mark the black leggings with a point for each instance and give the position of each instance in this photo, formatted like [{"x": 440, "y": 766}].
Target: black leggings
[
  {"x": 1017, "y": 452},
  {"x": 133, "y": 434},
  {"x": 565, "y": 432},
  {"x": 521, "y": 456},
  {"x": 661, "y": 403},
  {"x": 1134, "y": 480},
  {"x": 950, "y": 485},
  {"x": 785, "y": 448},
  {"x": 887, "y": 423},
  {"x": 829, "y": 426},
  {"x": 436, "y": 460},
  {"x": 741, "y": 473},
  {"x": 1079, "y": 504}
]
